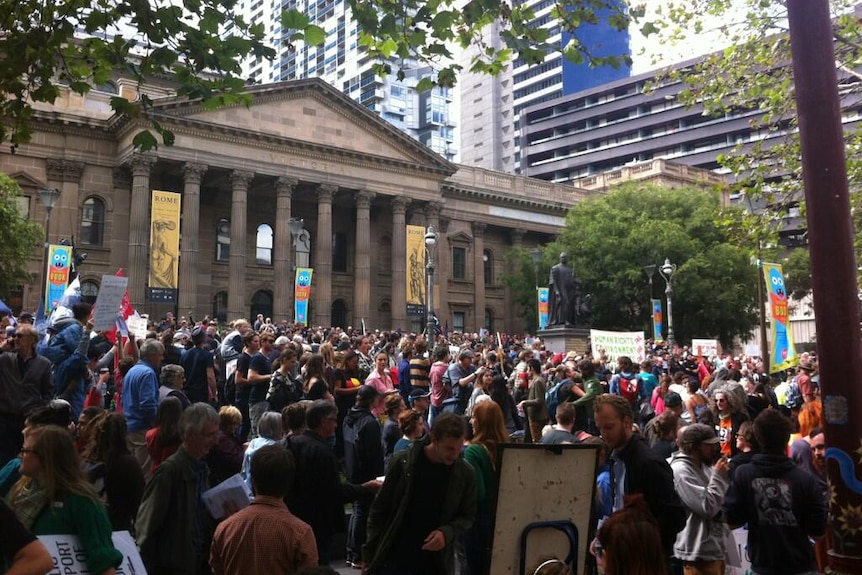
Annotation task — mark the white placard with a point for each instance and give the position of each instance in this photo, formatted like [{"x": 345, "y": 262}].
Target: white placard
[
  {"x": 137, "y": 327},
  {"x": 705, "y": 347},
  {"x": 71, "y": 559},
  {"x": 752, "y": 350},
  {"x": 108, "y": 303},
  {"x": 616, "y": 343},
  {"x": 227, "y": 497}
]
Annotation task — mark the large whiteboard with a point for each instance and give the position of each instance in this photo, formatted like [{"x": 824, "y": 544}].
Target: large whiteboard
[{"x": 542, "y": 483}]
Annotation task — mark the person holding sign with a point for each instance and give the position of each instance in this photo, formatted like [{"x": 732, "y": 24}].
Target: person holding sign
[{"x": 54, "y": 497}]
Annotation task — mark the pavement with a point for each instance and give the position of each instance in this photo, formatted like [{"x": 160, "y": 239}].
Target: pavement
[{"x": 343, "y": 569}]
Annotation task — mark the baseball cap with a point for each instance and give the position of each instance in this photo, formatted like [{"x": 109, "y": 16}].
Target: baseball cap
[
  {"x": 672, "y": 399},
  {"x": 697, "y": 433},
  {"x": 419, "y": 394}
]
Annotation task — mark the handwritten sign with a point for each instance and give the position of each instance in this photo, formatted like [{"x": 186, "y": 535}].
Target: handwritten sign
[
  {"x": 70, "y": 558},
  {"x": 109, "y": 301}
]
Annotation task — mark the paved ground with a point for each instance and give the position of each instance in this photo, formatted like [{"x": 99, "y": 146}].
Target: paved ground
[{"x": 343, "y": 569}]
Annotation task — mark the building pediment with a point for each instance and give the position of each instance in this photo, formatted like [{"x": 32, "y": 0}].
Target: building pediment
[
  {"x": 310, "y": 112},
  {"x": 460, "y": 237}
]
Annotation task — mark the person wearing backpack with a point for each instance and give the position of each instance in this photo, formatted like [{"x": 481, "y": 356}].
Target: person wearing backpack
[
  {"x": 626, "y": 383},
  {"x": 559, "y": 391}
]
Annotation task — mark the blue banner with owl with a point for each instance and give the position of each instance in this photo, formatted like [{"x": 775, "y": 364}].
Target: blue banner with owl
[
  {"x": 59, "y": 267},
  {"x": 302, "y": 292},
  {"x": 542, "y": 295},
  {"x": 782, "y": 353}
]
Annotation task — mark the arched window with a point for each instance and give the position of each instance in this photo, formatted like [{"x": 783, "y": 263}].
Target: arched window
[
  {"x": 488, "y": 266},
  {"x": 489, "y": 320},
  {"x": 264, "y": 245},
  {"x": 220, "y": 306},
  {"x": 339, "y": 252},
  {"x": 89, "y": 291},
  {"x": 93, "y": 222},
  {"x": 261, "y": 303},
  {"x": 339, "y": 313},
  {"x": 223, "y": 240}
]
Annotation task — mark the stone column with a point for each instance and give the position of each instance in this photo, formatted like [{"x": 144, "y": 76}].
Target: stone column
[
  {"x": 479, "y": 275},
  {"x": 399, "y": 262},
  {"x": 119, "y": 225},
  {"x": 362, "y": 266},
  {"x": 321, "y": 283},
  {"x": 444, "y": 258},
  {"x": 189, "y": 298},
  {"x": 283, "y": 284},
  {"x": 511, "y": 323},
  {"x": 139, "y": 228},
  {"x": 236, "y": 304}
]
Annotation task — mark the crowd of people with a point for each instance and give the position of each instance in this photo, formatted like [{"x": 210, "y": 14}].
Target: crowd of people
[{"x": 100, "y": 433}]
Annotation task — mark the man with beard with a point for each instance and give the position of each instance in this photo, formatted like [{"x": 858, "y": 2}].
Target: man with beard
[{"x": 701, "y": 478}]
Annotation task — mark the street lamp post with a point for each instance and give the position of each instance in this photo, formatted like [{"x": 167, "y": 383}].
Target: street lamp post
[
  {"x": 430, "y": 252},
  {"x": 49, "y": 198},
  {"x": 667, "y": 270}
]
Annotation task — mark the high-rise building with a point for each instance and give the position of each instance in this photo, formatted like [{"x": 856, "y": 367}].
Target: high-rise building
[
  {"x": 491, "y": 106},
  {"x": 341, "y": 62}
]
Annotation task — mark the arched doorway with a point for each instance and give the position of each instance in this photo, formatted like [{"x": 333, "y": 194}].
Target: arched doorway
[
  {"x": 261, "y": 302},
  {"x": 338, "y": 313}
]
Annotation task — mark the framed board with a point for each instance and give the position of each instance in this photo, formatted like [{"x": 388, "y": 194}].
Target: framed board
[{"x": 540, "y": 484}]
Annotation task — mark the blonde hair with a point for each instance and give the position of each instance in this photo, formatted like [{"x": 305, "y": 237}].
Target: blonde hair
[{"x": 62, "y": 473}]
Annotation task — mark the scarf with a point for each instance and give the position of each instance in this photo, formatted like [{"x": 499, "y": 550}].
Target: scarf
[{"x": 29, "y": 503}]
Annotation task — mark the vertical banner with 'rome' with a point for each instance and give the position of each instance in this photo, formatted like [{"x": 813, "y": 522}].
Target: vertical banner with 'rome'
[
  {"x": 301, "y": 294},
  {"x": 783, "y": 352},
  {"x": 542, "y": 297},
  {"x": 164, "y": 247},
  {"x": 59, "y": 267},
  {"x": 415, "y": 271}
]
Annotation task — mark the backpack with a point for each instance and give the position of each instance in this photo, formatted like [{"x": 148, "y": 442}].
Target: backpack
[
  {"x": 552, "y": 397},
  {"x": 629, "y": 388}
]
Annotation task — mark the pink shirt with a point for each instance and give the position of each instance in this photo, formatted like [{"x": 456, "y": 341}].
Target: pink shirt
[
  {"x": 438, "y": 390},
  {"x": 383, "y": 384}
]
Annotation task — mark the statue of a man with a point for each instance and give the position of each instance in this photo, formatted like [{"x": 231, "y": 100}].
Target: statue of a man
[{"x": 562, "y": 294}]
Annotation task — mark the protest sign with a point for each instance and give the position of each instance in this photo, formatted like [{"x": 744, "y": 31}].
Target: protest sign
[
  {"x": 704, "y": 347},
  {"x": 616, "y": 343},
  {"x": 108, "y": 303},
  {"x": 70, "y": 558}
]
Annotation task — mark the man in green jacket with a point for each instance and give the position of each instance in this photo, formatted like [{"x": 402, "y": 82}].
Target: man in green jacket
[
  {"x": 172, "y": 525},
  {"x": 427, "y": 500}
]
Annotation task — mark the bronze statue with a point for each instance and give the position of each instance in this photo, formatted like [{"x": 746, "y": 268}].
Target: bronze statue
[{"x": 562, "y": 294}]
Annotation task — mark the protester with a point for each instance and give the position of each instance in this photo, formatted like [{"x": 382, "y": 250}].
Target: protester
[
  {"x": 141, "y": 400},
  {"x": 53, "y": 497},
  {"x": 164, "y": 439},
  {"x": 265, "y": 537},
  {"x": 460, "y": 378},
  {"x": 25, "y": 384},
  {"x": 701, "y": 479},
  {"x": 781, "y": 503},
  {"x": 363, "y": 461},
  {"x": 534, "y": 405},
  {"x": 563, "y": 430},
  {"x": 199, "y": 367},
  {"x": 391, "y": 429},
  {"x": 271, "y": 432},
  {"x": 412, "y": 426},
  {"x": 119, "y": 479},
  {"x": 172, "y": 380},
  {"x": 317, "y": 495},
  {"x": 488, "y": 433},
  {"x": 172, "y": 524},
  {"x": 634, "y": 469},
  {"x": 20, "y": 551},
  {"x": 225, "y": 457},
  {"x": 381, "y": 380},
  {"x": 630, "y": 541},
  {"x": 427, "y": 501},
  {"x": 440, "y": 392}
]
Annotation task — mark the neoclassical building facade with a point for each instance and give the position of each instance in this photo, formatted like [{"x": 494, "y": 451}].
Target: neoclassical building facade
[{"x": 299, "y": 150}]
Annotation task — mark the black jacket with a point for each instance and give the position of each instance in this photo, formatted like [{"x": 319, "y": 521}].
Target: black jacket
[
  {"x": 317, "y": 496},
  {"x": 783, "y": 505},
  {"x": 650, "y": 475},
  {"x": 363, "y": 446}
]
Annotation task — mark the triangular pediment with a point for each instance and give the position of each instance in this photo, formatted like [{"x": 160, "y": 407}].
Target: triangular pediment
[
  {"x": 460, "y": 237},
  {"x": 313, "y": 112},
  {"x": 25, "y": 180}
]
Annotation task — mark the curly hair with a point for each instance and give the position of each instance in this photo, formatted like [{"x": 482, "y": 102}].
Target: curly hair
[{"x": 109, "y": 439}]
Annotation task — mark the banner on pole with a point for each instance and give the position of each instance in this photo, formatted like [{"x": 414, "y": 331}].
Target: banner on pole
[
  {"x": 616, "y": 343},
  {"x": 301, "y": 293},
  {"x": 164, "y": 247},
  {"x": 657, "y": 320},
  {"x": 542, "y": 297},
  {"x": 109, "y": 301},
  {"x": 782, "y": 354},
  {"x": 415, "y": 271},
  {"x": 59, "y": 267}
]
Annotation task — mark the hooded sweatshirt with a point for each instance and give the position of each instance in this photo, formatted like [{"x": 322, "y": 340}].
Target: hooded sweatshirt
[
  {"x": 783, "y": 507},
  {"x": 363, "y": 446},
  {"x": 702, "y": 493}
]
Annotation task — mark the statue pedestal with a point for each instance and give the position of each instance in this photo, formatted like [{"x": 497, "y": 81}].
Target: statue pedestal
[{"x": 563, "y": 339}]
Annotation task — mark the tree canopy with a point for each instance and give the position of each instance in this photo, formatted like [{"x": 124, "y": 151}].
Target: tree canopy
[
  {"x": 611, "y": 238},
  {"x": 18, "y": 238}
]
